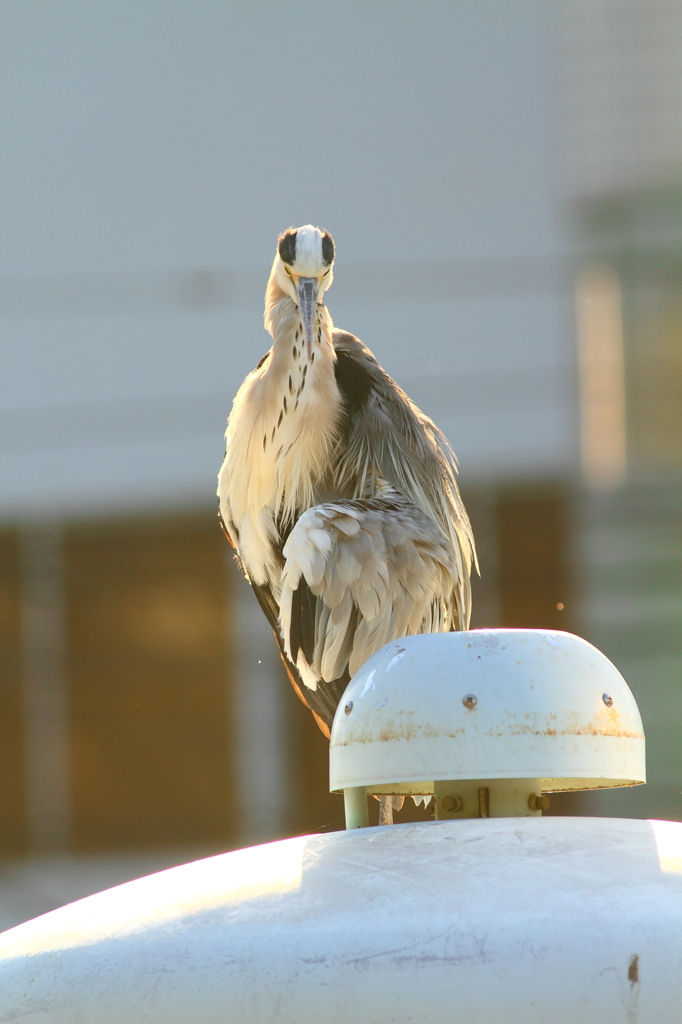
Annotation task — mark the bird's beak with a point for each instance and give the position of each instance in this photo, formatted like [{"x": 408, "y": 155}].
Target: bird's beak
[{"x": 306, "y": 289}]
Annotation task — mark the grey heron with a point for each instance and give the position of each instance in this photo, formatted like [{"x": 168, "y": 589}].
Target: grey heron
[{"x": 337, "y": 492}]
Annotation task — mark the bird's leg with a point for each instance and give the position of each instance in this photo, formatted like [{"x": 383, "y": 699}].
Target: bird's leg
[
  {"x": 385, "y": 810},
  {"x": 387, "y": 805}
]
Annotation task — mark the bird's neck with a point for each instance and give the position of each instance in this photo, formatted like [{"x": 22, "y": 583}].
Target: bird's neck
[
  {"x": 283, "y": 321},
  {"x": 291, "y": 378},
  {"x": 282, "y": 434},
  {"x": 303, "y": 400}
]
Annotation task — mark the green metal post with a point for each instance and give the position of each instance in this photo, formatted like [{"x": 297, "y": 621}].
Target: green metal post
[{"x": 355, "y": 804}]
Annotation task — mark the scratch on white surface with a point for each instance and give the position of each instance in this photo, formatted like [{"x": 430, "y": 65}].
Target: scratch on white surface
[{"x": 401, "y": 654}]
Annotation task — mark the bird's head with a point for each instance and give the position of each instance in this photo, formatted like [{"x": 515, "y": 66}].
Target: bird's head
[{"x": 303, "y": 270}]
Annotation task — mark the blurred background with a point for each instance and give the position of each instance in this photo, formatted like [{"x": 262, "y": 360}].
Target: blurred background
[{"x": 504, "y": 185}]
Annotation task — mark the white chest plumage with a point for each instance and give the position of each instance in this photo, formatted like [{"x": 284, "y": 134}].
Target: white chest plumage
[{"x": 280, "y": 436}]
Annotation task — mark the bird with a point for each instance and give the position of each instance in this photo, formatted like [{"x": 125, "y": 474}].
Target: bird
[{"x": 338, "y": 494}]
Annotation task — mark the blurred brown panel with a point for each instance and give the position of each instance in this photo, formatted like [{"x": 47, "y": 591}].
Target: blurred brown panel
[
  {"x": 533, "y": 560},
  {"x": 481, "y": 504},
  {"x": 148, "y": 670},
  {"x": 313, "y": 807},
  {"x": 534, "y": 573},
  {"x": 12, "y": 818}
]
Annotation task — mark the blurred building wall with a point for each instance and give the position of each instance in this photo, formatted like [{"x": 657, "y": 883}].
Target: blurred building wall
[
  {"x": 471, "y": 161},
  {"x": 153, "y": 152}
]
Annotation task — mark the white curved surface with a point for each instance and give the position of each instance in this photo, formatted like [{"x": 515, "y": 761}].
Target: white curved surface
[
  {"x": 539, "y": 713},
  {"x": 502, "y": 920}
]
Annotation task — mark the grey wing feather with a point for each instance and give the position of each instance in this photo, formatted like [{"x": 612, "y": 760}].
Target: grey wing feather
[
  {"x": 389, "y": 435},
  {"x": 378, "y": 568}
]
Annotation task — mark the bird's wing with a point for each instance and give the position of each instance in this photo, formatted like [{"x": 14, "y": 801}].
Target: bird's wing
[
  {"x": 227, "y": 524},
  {"x": 356, "y": 575},
  {"x": 386, "y": 434},
  {"x": 323, "y": 704}
]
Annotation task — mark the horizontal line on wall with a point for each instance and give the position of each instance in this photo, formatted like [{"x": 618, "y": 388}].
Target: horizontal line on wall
[
  {"x": 214, "y": 288},
  {"x": 440, "y": 394}
]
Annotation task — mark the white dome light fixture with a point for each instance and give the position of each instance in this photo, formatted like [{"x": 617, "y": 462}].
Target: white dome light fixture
[{"x": 487, "y": 721}]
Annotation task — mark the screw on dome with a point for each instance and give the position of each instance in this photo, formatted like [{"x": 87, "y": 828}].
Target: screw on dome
[
  {"x": 608, "y": 699},
  {"x": 349, "y": 707},
  {"x": 470, "y": 700}
]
